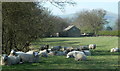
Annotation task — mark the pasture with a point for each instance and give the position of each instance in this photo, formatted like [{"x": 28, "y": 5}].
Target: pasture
[{"x": 101, "y": 57}]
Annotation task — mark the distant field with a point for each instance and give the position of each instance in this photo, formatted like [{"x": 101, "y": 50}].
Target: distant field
[{"x": 101, "y": 57}]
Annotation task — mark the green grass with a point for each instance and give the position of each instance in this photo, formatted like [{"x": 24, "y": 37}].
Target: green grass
[{"x": 101, "y": 57}]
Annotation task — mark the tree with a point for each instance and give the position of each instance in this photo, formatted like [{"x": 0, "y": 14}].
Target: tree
[
  {"x": 108, "y": 28},
  {"x": 91, "y": 20},
  {"x": 23, "y": 23}
]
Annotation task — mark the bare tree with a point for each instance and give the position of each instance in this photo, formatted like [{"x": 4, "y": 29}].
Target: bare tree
[{"x": 91, "y": 20}]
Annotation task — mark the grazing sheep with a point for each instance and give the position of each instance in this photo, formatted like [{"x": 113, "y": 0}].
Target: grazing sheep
[
  {"x": 115, "y": 50},
  {"x": 80, "y": 56},
  {"x": 71, "y": 54},
  {"x": 92, "y": 46},
  {"x": 29, "y": 57},
  {"x": 10, "y": 60},
  {"x": 87, "y": 52}
]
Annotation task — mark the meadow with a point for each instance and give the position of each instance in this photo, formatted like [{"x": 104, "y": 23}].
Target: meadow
[{"x": 101, "y": 57}]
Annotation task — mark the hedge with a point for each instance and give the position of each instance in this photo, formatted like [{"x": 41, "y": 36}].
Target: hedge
[{"x": 108, "y": 33}]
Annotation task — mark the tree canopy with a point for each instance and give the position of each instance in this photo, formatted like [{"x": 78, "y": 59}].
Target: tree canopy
[
  {"x": 91, "y": 20},
  {"x": 24, "y": 22}
]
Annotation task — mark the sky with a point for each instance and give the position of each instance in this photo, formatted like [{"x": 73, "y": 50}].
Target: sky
[{"x": 108, "y": 5}]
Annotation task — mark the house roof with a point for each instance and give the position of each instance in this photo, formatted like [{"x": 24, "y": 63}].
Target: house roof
[{"x": 69, "y": 27}]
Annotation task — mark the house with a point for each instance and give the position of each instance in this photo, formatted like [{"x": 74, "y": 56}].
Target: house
[{"x": 70, "y": 31}]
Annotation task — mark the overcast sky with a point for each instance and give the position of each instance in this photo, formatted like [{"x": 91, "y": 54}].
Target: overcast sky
[{"x": 108, "y": 5}]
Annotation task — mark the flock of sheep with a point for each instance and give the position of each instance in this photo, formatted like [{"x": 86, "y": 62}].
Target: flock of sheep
[{"x": 79, "y": 54}]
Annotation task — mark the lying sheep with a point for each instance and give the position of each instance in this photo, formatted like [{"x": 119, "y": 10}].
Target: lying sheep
[
  {"x": 71, "y": 54},
  {"x": 56, "y": 48},
  {"x": 115, "y": 50},
  {"x": 15, "y": 53},
  {"x": 30, "y": 52},
  {"x": 12, "y": 53},
  {"x": 44, "y": 47},
  {"x": 79, "y": 56},
  {"x": 87, "y": 52},
  {"x": 68, "y": 48},
  {"x": 29, "y": 57},
  {"x": 83, "y": 48},
  {"x": 44, "y": 53},
  {"x": 92, "y": 46},
  {"x": 60, "y": 53},
  {"x": 51, "y": 53},
  {"x": 10, "y": 60}
]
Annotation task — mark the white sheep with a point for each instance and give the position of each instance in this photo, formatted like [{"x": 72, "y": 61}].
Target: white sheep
[
  {"x": 43, "y": 53},
  {"x": 60, "y": 53},
  {"x": 15, "y": 53},
  {"x": 80, "y": 56},
  {"x": 92, "y": 46},
  {"x": 115, "y": 50},
  {"x": 29, "y": 57},
  {"x": 10, "y": 60},
  {"x": 87, "y": 52},
  {"x": 56, "y": 48},
  {"x": 51, "y": 53},
  {"x": 71, "y": 54},
  {"x": 12, "y": 53},
  {"x": 83, "y": 47},
  {"x": 30, "y": 52}
]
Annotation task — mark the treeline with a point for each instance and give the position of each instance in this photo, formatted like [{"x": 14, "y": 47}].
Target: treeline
[
  {"x": 24, "y": 22},
  {"x": 94, "y": 21},
  {"x": 108, "y": 33}
]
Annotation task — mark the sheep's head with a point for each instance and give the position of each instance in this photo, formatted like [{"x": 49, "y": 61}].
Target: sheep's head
[{"x": 12, "y": 52}]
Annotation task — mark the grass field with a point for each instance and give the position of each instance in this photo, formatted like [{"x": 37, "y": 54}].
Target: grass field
[{"x": 101, "y": 57}]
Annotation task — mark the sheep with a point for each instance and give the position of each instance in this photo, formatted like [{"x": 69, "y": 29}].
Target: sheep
[
  {"x": 60, "y": 53},
  {"x": 87, "y": 52},
  {"x": 71, "y": 54},
  {"x": 15, "y": 53},
  {"x": 68, "y": 48},
  {"x": 83, "y": 48},
  {"x": 44, "y": 47},
  {"x": 92, "y": 46},
  {"x": 79, "y": 56},
  {"x": 12, "y": 53},
  {"x": 115, "y": 50},
  {"x": 56, "y": 48},
  {"x": 10, "y": 60},
  {"x": 29, "y": 57},
  {"x": 44, "y": 53},
  {"x": 19, "y": 52},
  {"x": 51, "y": 53}
]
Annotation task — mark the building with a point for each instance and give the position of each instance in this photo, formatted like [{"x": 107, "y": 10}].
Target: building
[{"x": 70, "y": 31}]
